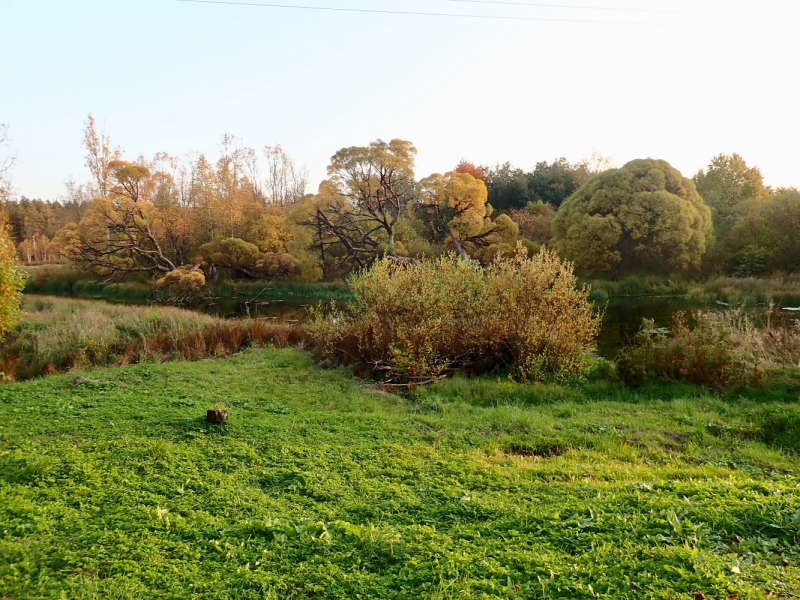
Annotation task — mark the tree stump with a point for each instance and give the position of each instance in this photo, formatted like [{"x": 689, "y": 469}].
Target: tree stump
[{"x": 217, "y": 416}]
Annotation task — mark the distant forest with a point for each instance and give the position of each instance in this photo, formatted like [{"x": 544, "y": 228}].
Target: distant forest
[{"x": 191, "y": 219}]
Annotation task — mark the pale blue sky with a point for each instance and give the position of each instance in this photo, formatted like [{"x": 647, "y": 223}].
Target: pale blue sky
[{"x": 170, "y": 76}]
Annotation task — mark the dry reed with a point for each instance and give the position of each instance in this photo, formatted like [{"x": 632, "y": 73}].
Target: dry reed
[{"x": 59, "y": 334}]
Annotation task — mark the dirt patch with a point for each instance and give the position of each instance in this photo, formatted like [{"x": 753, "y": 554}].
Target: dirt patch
[
  {"x": 675, "y": 437},
  {"x": 536, "y": 450}
]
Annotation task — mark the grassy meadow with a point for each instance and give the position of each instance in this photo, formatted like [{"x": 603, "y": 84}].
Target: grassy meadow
[{"x": 326, "y": 487}]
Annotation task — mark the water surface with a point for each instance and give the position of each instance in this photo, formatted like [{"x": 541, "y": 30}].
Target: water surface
[{"x": 621, "y": 320}]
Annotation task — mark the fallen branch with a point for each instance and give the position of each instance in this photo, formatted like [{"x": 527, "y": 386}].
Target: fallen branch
[{"x": 412, "y": 384}]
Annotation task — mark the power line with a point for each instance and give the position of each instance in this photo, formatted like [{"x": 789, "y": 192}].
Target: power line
[
  {"x": 413, "y": 13},
  {"x": 583, "y": 7}
]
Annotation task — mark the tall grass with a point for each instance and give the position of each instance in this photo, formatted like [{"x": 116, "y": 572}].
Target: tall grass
[
  {"x": 58, "y": 334},
  {"x": 639, "y": 285},
  {"x": 724, "y": 349},
  {"x": 285, "y": 289},
  {"x": 745, "y": 291},
  {"x": 63, "y": 280}
]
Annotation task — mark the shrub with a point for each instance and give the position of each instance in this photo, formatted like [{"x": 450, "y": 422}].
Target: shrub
[
  {"x": 722, "y": 350},
  {"x": 418, "y": 322},
  {"x": 186, "y": 279},
  {"x": 12, "y": 280}
]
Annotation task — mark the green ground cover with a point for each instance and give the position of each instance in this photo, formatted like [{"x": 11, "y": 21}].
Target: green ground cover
[{"x": 323, "y": 487}]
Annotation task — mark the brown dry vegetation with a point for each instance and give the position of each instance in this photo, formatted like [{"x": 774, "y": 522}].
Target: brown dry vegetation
[
  {"x": 722, "y": 350},
  {"x": 59, "y": 334}
]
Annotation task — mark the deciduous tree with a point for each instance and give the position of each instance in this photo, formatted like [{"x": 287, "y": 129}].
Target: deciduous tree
[
  {"x": 285, "y": 183},
  {"x": 453, "y": 212},
  {"x": 728, "y": 180},
  {"x": 358, "y": 209},
  {"x": 535, "y": 221},
  {"x": 246, "y": 260},
  {"x": 6, "y": 162},
  {"x": 644, "y": 215},
  {"x": 470, "y": 168},
  {"x": 117, "y": 233},
  {"x": 12, "y": 280},
  {"x": 100, "y": 153}
]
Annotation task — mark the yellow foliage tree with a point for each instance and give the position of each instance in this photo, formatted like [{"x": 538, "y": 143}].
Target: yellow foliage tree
[
  {"x": 270, "y": 231},
  {"x": 455, "y": 216},
  {"x": 359, "y": 208}
]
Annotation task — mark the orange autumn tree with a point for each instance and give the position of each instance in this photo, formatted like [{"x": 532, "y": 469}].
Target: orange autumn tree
[{"x": 471, "y": 169}]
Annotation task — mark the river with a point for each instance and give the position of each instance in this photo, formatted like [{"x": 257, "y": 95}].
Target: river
[{"x": 621, "y": 319}]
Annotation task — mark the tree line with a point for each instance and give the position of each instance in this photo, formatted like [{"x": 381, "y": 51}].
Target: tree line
[{"x": 189, "y": 220}]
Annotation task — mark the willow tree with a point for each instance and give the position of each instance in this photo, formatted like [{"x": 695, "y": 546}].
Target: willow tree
[
  {"x": 245, "y": 260},
  {"x": 360, "y": 206},
  {"x": 117, "y": 234},
  {"x": 454, "y": 215},
  {"x": 643, "y": 216}
]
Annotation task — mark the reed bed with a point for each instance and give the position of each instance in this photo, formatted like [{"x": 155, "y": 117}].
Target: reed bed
[
  {"x": 723, "y": 349},
  {"x": 59, "y": 334},
  {"x": 747, "y": 291}
]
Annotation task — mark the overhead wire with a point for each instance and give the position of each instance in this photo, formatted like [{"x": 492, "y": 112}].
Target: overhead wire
[
  {"x": 417, "y": 13},
  {"x": 585, "y": 7}
]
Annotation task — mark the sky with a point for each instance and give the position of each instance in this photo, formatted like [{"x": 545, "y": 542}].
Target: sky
[{"x": 679, "y": 80}]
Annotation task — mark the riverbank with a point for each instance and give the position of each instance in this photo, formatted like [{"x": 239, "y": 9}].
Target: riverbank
[
  {"x": 324, "y": 487},
  {"x": 60, "y": 334},
  {"x": 734, "y": 291},
  {"x": 62, "y": 280}
]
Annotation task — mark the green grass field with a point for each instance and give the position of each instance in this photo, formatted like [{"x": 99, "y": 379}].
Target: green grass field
[{"x": 323, "y": 487}]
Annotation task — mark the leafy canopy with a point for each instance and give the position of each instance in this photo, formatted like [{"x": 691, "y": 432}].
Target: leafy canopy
[
  {"x": 245, "y": 259},
  {"x": 12, "y": 280},
  {"x": 643, "y": 216}
]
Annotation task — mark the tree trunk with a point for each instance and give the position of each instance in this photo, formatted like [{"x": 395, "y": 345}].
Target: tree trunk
[{"x": 459, "y": 248}]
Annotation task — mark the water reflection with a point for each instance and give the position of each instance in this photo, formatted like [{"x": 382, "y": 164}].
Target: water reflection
[
  {"x": 623, "y": 317},
  {"x": 621, "y": 320}
]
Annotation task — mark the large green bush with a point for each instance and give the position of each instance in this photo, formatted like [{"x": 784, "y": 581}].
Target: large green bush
[{"x": 413, "y": 323}]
